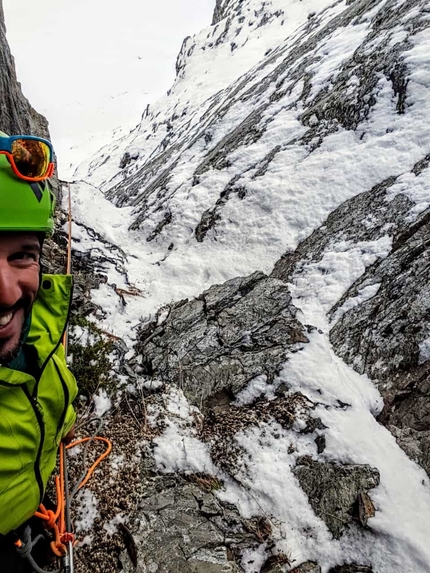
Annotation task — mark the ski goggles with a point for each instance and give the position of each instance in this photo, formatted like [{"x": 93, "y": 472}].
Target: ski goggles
[{"x": 30, "y": 157}]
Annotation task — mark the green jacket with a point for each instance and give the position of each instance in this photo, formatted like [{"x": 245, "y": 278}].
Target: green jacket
[{"x": 35, "y": 414}]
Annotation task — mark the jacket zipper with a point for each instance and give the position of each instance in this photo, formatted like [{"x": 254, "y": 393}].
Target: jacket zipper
[
  {"x": 54, "y": 350},
  {"x": 34, "y": 405},
  {"x": 66, "y": 398}
]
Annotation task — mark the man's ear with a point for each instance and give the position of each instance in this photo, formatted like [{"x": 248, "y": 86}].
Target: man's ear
[
  {"x": 41, "y": 239},
  {"x": 41, "y": 270}
]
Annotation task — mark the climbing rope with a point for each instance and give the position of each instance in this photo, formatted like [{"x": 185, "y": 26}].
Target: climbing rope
[
  {"x": 59, "y": 521},
  {"x": 25, "y": 546}
]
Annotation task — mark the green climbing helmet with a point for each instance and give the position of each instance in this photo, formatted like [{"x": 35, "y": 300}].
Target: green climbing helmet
[{"x": 24, "y": 206}]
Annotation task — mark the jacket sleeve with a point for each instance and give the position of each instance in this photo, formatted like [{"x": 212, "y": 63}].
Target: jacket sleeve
[
  {"x": 69, "y": 420},
  {"x": 70, "y": 380}
]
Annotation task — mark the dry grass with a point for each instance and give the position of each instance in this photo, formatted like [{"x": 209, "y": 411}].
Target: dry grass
[{"x": 206, "y": 482}]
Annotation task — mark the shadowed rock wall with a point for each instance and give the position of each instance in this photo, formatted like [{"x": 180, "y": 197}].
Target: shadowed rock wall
[{"x": 16, "y": 113}]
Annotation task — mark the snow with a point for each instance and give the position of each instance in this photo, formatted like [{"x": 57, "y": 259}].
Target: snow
[
  {"x": 178, "y": 405},
  {"x": 87, "y": 540},
  {"x": 424, "y": 347},
  {"x": 252, "y": 42},
  {"x": 254, "y": 559},
  {"x": 255, "y": 388},
  {"x": 102, "y": 403},
  {"x": 85, "y": 510},
  {"x": 322, "y": 377},
  {"x": 176, "y": 452},
  {"x": 112, "y": 525},
  {"x": 333, "y": 52},
  {"x": 317, "y": 286},
  {"x": 116, "y": 462},
  {"x": 268, "y": 486}
]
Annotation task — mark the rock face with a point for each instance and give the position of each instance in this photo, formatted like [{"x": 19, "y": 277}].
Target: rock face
[
  {"x": 219, "y": 12},
  {"x": 16, "y": 114},
  {"x": 231, "y": 334},
  {"x": 308, "y": 567},
  {"x": 382, "y": 336},
  {"x": 334, "y": 490},
  {"x": 186, "y": 530}
]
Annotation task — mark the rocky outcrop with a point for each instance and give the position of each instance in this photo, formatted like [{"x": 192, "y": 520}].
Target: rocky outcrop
[
  {"x": 229, "y": 335},
  {"x": 220, "y": 11},
  {"x": 16, "y": 114},
  {"x": 217, "y": 15},
  {"x": 188, "y": 529},
  {"x": 334, "y": 490},
  {"x": 308, "y": 567},
  {"x": 382, "y": 335}
]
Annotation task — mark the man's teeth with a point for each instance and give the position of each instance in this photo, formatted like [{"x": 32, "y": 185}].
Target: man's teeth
[{"x": 6, "y": 319}]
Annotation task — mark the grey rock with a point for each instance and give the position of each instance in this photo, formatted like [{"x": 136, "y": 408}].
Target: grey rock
[
  {"x": 16, "y": 114},
  {"x": 351, "y": 568},
  {"x": 415, "y": 443},
  {"x": 333, "y": 490},
  {"x": 224, "y": 338},
  {"x": 321, "y": 444},
  {"x": 275, "y": 569},
  {"x": 308, "y": 567},
  {"x": 220, "y": 10},
  {"x": 394, "y": 322},
  {"x": 184, "y": 529},
  {"x": 277, "y": 563}
]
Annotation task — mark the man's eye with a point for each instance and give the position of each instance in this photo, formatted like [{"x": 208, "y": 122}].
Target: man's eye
[{"x": 24, "y": 256}]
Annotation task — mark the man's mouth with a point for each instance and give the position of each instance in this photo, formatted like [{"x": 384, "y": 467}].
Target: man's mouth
[{"x": 5, "y": 319}]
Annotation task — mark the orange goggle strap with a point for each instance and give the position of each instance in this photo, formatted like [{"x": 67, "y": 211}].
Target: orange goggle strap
[{"x": 11, "y": 146}]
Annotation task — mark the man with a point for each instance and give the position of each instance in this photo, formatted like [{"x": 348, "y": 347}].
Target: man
[{"x": 36, "y": 387}]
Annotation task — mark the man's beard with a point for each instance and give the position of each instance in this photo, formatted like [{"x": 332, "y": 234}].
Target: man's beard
[{"x": 9, "y": 354}]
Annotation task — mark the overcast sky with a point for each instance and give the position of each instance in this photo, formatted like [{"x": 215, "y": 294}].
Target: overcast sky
[{"x": 91, "y": 65}]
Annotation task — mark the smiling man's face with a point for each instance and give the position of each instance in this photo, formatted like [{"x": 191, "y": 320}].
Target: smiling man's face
[{"x": 19, "y": 283}]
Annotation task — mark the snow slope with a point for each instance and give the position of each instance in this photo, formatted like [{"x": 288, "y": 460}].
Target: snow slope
[{"x": 298, "y": 188}]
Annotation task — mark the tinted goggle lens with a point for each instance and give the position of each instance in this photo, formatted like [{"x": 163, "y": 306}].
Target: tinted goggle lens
[{"x": 32, "y": 157}]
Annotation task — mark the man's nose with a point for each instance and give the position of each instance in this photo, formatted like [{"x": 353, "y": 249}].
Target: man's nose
[{"x": 10, "y": 288}]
